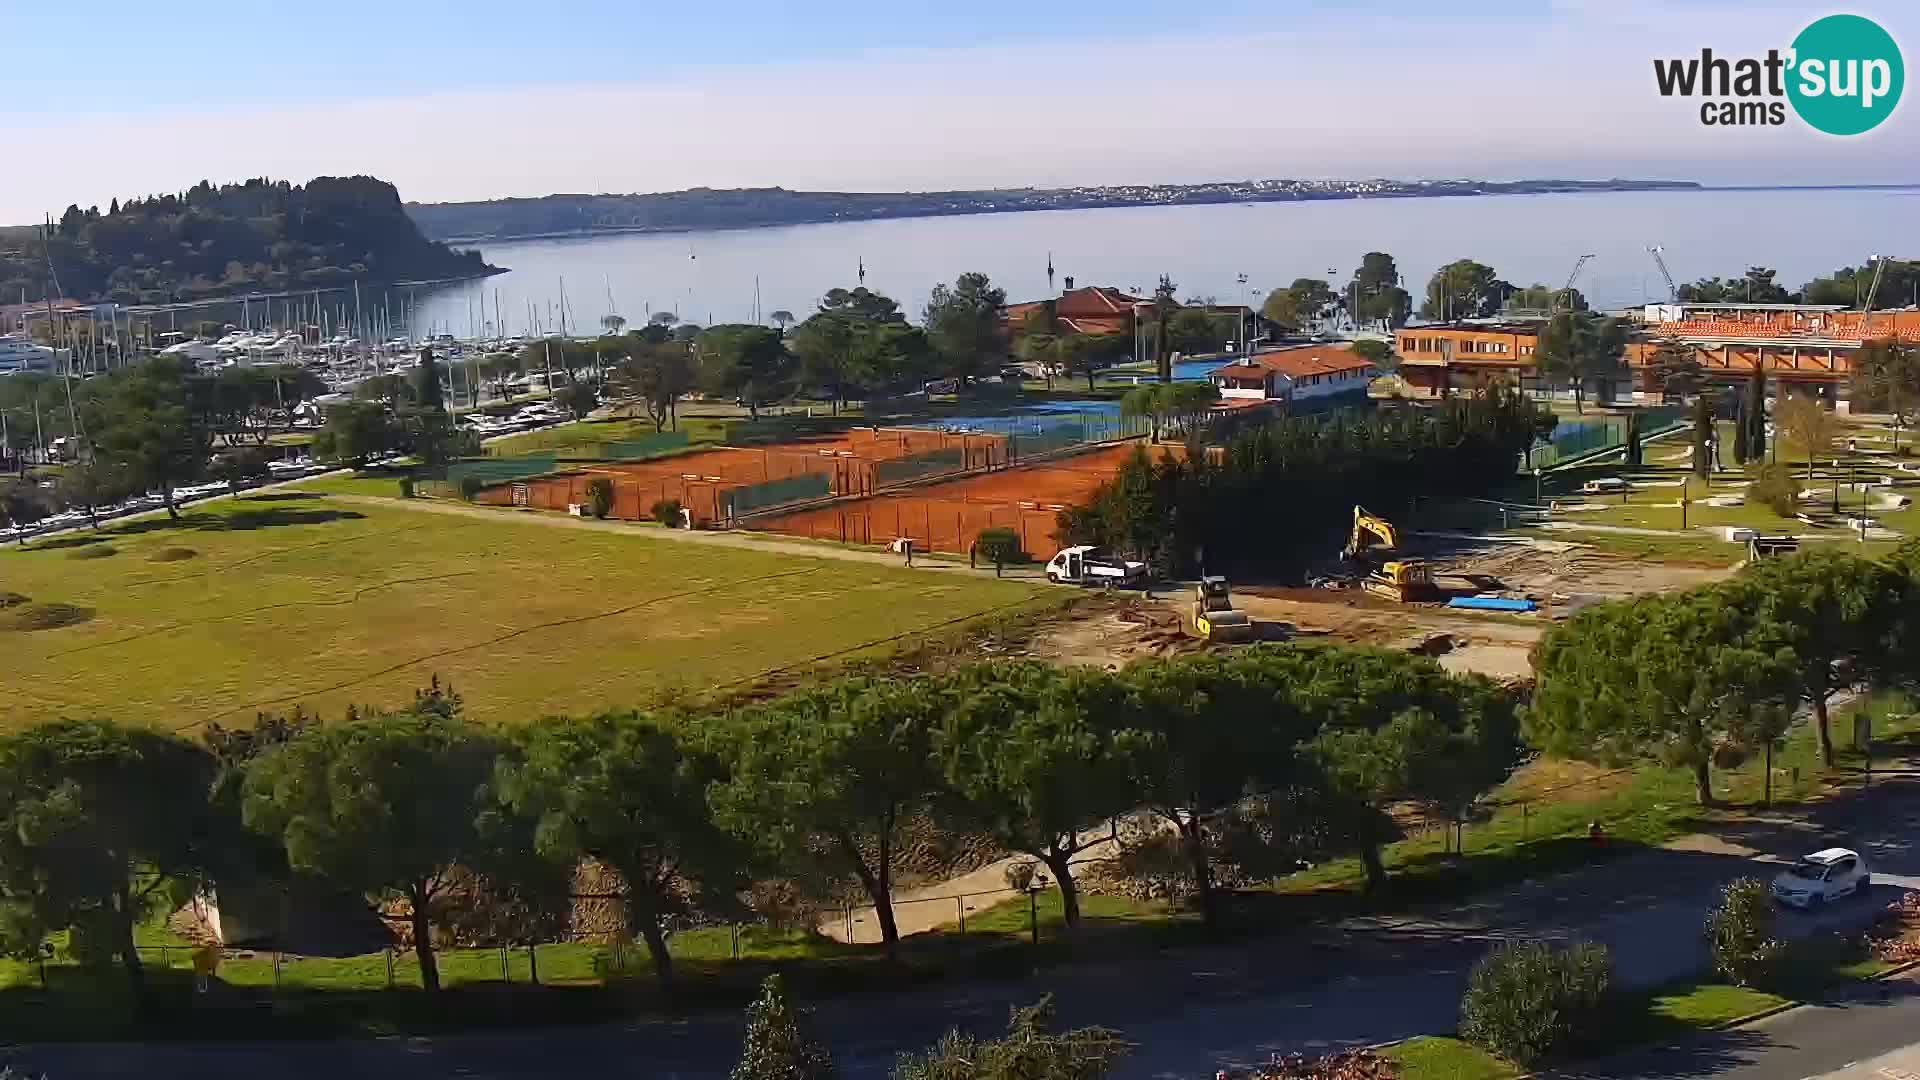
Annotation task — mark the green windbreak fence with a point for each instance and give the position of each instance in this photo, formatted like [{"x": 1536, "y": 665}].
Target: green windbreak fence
[
  {"x": 940, "y": 462},
  {"x": 784, "y": 427},
  {"x": 1032, "y": 434},
  {"x": 644, "y": 447},
  {"x": 499, "y": 470},
  {"x": 1578, "y": 438},
  {"x": 745, "y": 500}
]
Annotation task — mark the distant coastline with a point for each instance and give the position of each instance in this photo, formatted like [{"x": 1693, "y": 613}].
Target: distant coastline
[{"x": 571, "y": 216}]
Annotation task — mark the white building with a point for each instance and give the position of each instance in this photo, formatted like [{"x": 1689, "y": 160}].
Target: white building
[
  {"x": 1301, "y": 373},
  {"x": 19, "y": 354}
]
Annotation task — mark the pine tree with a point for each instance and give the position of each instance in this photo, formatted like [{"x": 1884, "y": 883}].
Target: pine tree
[
  {"x": 1702, "y": 437},
  {"x": 775, "y": 1047},
  {"x": 1633, "y": 439},
  {"x": 1742, "y": 432},
  {"x": 427, "y": 380},
  {"x": 1756, "y": 416}
]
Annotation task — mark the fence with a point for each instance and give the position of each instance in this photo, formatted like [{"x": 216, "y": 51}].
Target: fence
[
  {"x": 1601, "y": 433},
  {"x": 490, "y": 471},
  {"x": 746, "y": 500}
]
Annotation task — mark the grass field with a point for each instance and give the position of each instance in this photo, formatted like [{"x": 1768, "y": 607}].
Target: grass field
[
  {"x": 273, "y": 600},
  {"x": 580, "y": 439}
]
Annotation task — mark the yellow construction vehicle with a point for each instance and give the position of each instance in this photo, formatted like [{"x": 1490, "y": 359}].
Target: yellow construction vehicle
[
  {"x": 1214, "y": 616},
  {"x": 1372, "y": 548}
]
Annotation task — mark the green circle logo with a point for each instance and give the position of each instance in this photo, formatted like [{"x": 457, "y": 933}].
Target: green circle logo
[{"x": 1846, "y": 75}]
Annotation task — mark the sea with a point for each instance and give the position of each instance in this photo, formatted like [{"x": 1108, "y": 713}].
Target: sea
[{"x": 1226, "y": 253}]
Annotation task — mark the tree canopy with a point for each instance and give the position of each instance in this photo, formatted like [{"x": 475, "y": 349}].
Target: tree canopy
[
  {"x": 1677, "y": 678},
  {"x": 964, "y": 326},
  {"x": 1464, "y": 289},
  {"x": 214, "y": 241},
  {"x": 385, "y": 804},
  {"x": 622, "y": 789},
  {"x": 98, "y": 825}
]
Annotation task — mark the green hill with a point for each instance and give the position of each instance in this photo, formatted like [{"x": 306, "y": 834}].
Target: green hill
[{"x": 258, "y": 236}]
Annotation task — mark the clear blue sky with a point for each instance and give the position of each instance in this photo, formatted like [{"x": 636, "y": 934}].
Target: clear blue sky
[
  {"x": 141, "y": 54},
  {"x": 483, "y": 98}
]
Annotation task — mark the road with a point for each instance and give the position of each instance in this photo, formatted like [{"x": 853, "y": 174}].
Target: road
[
  {"x": 1189, "y": 1010},
  {"x": 1870, "y": 1035}
]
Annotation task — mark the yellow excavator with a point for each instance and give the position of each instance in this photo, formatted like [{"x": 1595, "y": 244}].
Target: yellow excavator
[{"x": 1372, "y": 547}]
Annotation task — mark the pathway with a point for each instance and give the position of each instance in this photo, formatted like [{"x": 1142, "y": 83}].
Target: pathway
[{"x": 715, "y": 538}]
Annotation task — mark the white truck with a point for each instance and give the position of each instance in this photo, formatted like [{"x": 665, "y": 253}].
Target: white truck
[{"x": 1084, "y": 565}]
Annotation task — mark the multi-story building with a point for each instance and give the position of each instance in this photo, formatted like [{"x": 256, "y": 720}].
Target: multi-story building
[{"x": 1806, "y": 348}]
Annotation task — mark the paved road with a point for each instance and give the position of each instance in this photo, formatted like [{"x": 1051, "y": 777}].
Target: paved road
[
  {"x": 1871, "y": 1035},
  {"x": 1189, "y": 1010}
]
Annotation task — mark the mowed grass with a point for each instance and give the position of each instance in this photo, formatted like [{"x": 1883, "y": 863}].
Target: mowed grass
[
  {"x": 583, "y": 438},
  {"x": 292, "y": 599}
]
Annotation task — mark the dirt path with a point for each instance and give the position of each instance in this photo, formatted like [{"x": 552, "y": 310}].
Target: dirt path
[{"x": 741, "y": 540}]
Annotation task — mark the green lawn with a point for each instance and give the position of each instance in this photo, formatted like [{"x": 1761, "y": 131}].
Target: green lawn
[
  {"x": 1812, "y": 968},
  {"x": 581, "y": 438},
  {"x": 1443, "y": 1057},
  {"x": 287, "y": 598}
]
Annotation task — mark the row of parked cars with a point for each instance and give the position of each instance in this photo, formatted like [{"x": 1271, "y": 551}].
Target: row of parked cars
[{"x": 77, "y": 517}]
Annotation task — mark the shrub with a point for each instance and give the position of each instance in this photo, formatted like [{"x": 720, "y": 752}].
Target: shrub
[
  {"x": 1028, "y": 1052},
  {"x": 470, "y": 487},
  {"x": 1775, "y": 487},
  {"x": 776, "y": 1048},
  {"x": 406, "y": 487},
  {"x": 600, "y": 496},
  {"x": 666, "y": 512},
  {"x": 1740, "y": 932},
  {"x": 999, "y": 546},
  {"x": 1526, "y": 999},
  {"x": 97, "y": 551},
  {"x": 1343, "y": 1065}
]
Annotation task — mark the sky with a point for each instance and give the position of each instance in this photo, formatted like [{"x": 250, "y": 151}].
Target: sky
[{"x": 490, "y": 98}]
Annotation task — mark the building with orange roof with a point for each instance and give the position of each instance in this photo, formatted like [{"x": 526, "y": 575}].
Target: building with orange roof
[
  {"x": 1803, "y": 348},
  {"x": 1300, "y": 373}
]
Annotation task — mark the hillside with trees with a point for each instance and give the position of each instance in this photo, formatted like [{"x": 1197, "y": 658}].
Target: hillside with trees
[{"x": 258, "y": 236}]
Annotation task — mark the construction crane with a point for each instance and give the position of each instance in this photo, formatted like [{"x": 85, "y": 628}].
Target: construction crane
[
  {"x": 1565, "y": 295},
  {"x": 1879, "y": 271},
  {"x": 1673, "y": 292},
  {"x": 1373, "y": 546}
]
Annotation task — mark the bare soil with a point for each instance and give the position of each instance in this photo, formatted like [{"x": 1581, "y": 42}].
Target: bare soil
[{"x": 1560, "y": 576}]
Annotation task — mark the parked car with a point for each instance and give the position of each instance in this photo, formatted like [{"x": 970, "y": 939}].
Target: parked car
[{"x": 1828, "y": 874}]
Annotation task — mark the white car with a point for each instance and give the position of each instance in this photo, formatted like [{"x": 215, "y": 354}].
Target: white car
[{"x": 1825, "y": 875}]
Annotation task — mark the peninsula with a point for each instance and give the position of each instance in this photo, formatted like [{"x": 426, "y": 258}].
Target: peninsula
[{"x": 742, "y": 208}]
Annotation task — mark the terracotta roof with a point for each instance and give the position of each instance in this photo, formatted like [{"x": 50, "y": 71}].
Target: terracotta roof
[
  {"x": 1311, "y": 360},
  {"x": 1247, "y": 371},
  {"x": 1096, "y": 300}
]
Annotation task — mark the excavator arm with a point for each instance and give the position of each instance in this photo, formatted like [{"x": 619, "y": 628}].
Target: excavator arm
[{"x": 1369, "y": 530}]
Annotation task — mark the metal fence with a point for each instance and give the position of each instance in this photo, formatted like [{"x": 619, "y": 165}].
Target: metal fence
[
  {"x": 919, "y": 466},
  {"x": 500, "y": 470},
  {"x": 644, "y": 447},
  {"x": 1585, "y": 437},
  {"x": 745, "y": 500}
]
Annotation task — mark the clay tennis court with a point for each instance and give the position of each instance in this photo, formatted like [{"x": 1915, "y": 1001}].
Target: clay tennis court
[
  {"x": 949, "y": 516},
  {"x": 700, "y": 480}
]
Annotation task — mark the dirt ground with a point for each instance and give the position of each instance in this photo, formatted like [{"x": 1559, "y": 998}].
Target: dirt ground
[{"x": 1560, "y": 576}]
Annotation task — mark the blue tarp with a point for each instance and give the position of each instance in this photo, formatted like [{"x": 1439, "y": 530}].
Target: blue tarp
[{"x": 1490, "y": 603}]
